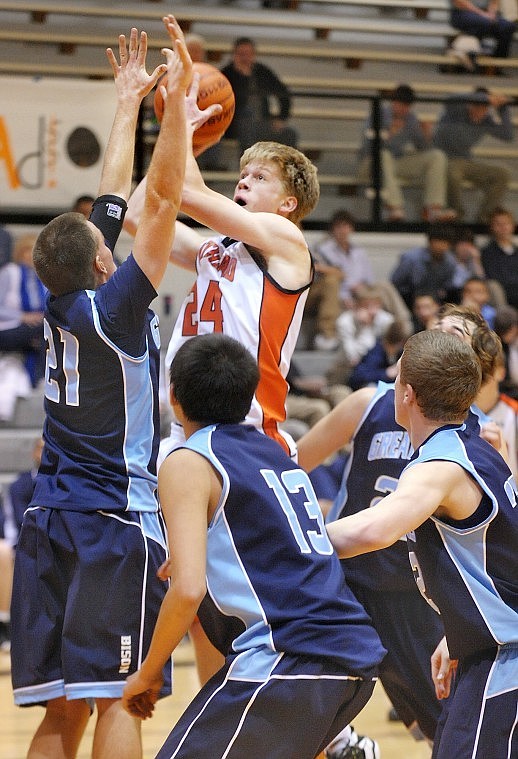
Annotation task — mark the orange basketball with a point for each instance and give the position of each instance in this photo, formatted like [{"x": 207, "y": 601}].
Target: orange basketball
[{"x": 214, "y": 88}]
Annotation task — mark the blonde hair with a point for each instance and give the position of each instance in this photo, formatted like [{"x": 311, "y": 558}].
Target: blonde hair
[{"x": 298, "y": 174}]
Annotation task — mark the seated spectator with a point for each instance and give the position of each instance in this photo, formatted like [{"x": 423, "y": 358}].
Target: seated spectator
[
  {"x": 500, "y": 254},
  {"x": 506, "y": 327},
  {"x": 255, "y": 86},
  {"x": 22, "y": 301},
  {"x": 477, "y": 295},
  {"x": 465, "y": 120},
  {"x": 406, "y": 154},
  {"x": 483, "y": 19},
  {"x": 309, "y": 399},
  {"x": 16, "y": 500},
  {"x": 6, "y": 246},
  {"x": 339, "y": 252},
  {"x": 425, "y": 310},
  {"x": 304, "y": 400},
  {"x": 358, "y": 329},
  {"x": 323, "y": 308},
  {"x": 430, "y": 267},
  {"x": 380, "y": 363},
  {"x": 467, "y": 262}
]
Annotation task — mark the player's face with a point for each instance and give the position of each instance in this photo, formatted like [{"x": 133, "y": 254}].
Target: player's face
[
  {"x": 260, "y": 187},
  {"x": 399, "y": 393},
  {"x": 456, "y": 325},
  {"x": 103, "y": 252}
]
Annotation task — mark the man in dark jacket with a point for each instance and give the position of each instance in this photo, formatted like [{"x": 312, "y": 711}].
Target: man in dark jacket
[{"x": 254, "y": 84}]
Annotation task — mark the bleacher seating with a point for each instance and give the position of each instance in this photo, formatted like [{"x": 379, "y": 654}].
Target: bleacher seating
[{"x": 369, "y": 47}]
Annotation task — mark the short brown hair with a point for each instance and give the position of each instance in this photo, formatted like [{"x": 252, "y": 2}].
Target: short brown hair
[
  {"x": 64, "y": 254},
  {"x": 298, "y": 174},
  {"x": 444, "y": 373}
]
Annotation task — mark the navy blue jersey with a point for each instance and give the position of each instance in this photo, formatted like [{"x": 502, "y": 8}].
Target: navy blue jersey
[
  {"x": 380, "y": 451},
  {"x": 101, "y": 429},
  {"x": 468, "y": 568},
  {"x": 273, "y": 578}
]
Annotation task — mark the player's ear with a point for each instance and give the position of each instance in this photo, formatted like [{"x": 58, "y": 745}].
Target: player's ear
[
  {"x": 409, "y": 396},
  {"x": 289, "y": 204},
  {"x": 100, "y": 268}
]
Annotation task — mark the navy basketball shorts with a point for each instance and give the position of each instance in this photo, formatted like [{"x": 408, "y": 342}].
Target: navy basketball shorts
[
  {"x": 292, "y": 711},
  {"x": 85, "y": 601},
  {"x": 410, "y": 630},
  {"x": 480, "y": 719}
]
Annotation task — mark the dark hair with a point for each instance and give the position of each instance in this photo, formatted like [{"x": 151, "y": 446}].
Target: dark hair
[
  {"x": 244, "y": 41},
  {"x": 64, "y": 253},
  {"x": 440, "y": 232},
  {"x": 403, "y": 93},
  {"x": 342, "y": 217},
  {"x": 464, "y": 234},
  {"x": 214, "y": 378}
]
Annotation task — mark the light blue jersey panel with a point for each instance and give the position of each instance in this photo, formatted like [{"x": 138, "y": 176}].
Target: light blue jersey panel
[{"x": 468, "y": 568}]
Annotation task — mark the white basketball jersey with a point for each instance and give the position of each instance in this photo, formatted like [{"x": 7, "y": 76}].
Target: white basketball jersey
[{"x": 234, "y": 294}]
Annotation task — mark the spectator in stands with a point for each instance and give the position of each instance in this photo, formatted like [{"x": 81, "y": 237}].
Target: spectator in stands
[
  {"x": 22, "y": 301},
  {"x": 255, "y": 85},
  {"x": 323, "y": 308},
  {"x": 6, "y": 246},
  {"x": 477, "y": 295},
  {"x": 482, "y": 19},
  {"x": 358, "y": 329},
  {"x": 83, "y": 205},
  {"x": 501, "y": 409},
  {"x": 380, "y": 363},
  {"x": 17, "y": 497},
  {"x": 500, "y": 254},
  {"x": 430, "y": 267},
  {"x": 468, "y": 262},
  {"x": 406, "y": 154},
  {"x": 339, "y": 251},
  {"x": 506, "y": 327},
  {"x": 465, "y": 120},
  {"x": 425, "y": 310}
]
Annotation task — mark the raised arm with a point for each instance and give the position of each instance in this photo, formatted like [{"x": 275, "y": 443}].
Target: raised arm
[
  {"x": 186, "y": 240},
  {"x": 334, "y": 431},
  {"x": 155, "y": 232},
  {"x": 132, "y": 83}
]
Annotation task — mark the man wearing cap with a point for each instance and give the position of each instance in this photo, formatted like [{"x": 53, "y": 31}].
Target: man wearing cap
[
  {"x": 466, "y": 119},
  {"x": 406, "y": 154}
]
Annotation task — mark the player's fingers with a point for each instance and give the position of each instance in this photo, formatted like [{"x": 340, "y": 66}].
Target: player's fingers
[
  {"x": 112, "y": 61},
  {"x": 123, "y": 54},
  {"x": 133, "y": 41},
  {"x": 142, "y": 48},
  {"x": 207, "y": 113}
]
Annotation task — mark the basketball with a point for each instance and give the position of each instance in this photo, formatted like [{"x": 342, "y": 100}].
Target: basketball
[{"x": 214, "y": 88}]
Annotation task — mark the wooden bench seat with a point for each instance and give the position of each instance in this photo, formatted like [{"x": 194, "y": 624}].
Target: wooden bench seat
[
  {"x": 67, "y": 41},
  {"x": 322, "y": 25}
]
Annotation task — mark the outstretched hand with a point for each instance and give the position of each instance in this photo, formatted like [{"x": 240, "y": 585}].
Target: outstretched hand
[
  {"x": 194, "y": 115},
  {"x": 131, "y": 77}
]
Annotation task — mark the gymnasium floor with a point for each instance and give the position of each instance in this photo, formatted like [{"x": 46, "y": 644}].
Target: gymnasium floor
[{"x": 17, "y": 725}]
